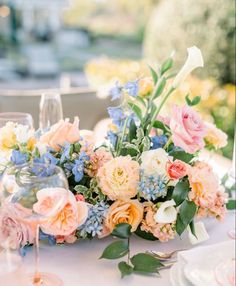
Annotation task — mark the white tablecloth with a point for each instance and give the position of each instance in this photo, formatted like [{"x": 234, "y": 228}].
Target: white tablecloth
[{"x": 78, "y": 264}]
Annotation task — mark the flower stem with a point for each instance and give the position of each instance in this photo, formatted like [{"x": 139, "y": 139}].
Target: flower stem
[
  {"x": 122, "y": 136},
  {"x": 128, "y": 258}
]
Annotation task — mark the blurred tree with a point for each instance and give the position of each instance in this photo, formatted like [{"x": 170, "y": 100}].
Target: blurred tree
[{"x": 210, "y": 25}]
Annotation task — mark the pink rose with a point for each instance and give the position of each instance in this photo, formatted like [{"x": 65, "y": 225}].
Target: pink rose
[
  {"x": 176, "y": 169},
  {"x": 188, "y": 130},
  {"x": 60, "y": 133},
  {"x": 12, "y": 229},
  {"x": 64, "y": 214}
]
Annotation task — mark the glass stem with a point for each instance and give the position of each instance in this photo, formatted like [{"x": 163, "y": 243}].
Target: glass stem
[{"x": 37, "y": 278}]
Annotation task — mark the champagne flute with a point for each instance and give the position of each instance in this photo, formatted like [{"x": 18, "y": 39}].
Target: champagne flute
[
  {"x": 22, "y": 187},
  {"x": 16, "y": 117},
  {"x": 50, "y": 110}
]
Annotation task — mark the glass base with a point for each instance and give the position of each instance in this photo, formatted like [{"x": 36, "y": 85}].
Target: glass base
[{"x": 47, "y": 279}]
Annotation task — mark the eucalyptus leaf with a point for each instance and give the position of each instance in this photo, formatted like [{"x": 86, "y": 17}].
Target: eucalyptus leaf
[
  {"x": 122, "y": 230},
  {"x": 125, "y": 269},
  {"x": 115, "y": 250}
]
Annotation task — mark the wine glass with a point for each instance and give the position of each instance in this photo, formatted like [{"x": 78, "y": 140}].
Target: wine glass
[
  {"x": 16, "y": 117},
  {"x": 39, "y": 192},
  {"x": 50, "y": 110}
]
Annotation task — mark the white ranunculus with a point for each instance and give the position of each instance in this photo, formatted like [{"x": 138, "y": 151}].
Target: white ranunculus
[
  {"x": 154, "y": 162},
  {"x": 166, "y": 213},
  {"x": 193, "y": 61},
  {"x": 201, "y": 233}
]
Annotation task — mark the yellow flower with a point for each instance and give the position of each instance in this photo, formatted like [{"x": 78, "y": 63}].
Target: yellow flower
[
  {"x": 146, "y": 86},
  {"x": 7, "y": 136},
  {"x": 130, "y": 212},
  {"x": 31, "y": 143}
]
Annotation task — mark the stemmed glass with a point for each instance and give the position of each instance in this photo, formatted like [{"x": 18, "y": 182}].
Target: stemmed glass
[
  {"x": 50, "y": 110},
  {"x": 29, "y": 188},
  {"x": 16, "y": 117}
]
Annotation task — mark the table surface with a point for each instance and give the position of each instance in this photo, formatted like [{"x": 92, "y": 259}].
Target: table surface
[{"x": 78, "y": 264}]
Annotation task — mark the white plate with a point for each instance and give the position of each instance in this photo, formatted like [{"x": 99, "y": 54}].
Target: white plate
[{"x": 177, "y": 277}]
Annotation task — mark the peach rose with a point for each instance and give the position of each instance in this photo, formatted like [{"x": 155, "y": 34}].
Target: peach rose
[
  {"x": 64, "y": 214},
  {"x": 215, "y": 137},
  {"x": 12, "y": 229},
  {"x": 60, "y": 133},
  {"x": 130, "y": 212},
  {"x": 97, "y": 160},
  {"x": 204, "y": 184},
  {"x": 188, "y": 130},
  {"x": 176, "y": 169},
  {"x": 119, "y": 177}
]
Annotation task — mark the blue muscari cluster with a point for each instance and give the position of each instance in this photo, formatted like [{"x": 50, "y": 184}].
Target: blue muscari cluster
[
  {"x": 158, "y": 141},
  {"x": 94, "y": 223},
  {"x": 152, "y": 187}
]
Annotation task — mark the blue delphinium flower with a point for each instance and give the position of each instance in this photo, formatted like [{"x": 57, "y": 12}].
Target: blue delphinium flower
[
  {"x": 48, "y": 159},
  {"x": 78, "y": 167},
  {"x": 94, "y": 222},
  {"x": 43, "y": 236},
  {"x": 132, "y": 88},
  {"x": 116, "y": 91},
  {"x": 18, "y": 158},
  {"x": 112, "y": 137},
  {"x": 117, "y": 115},
  {"x": 158, "y": 141},
  {"x": 152, "y": 187},
  {"x": 65, "y": 152}
]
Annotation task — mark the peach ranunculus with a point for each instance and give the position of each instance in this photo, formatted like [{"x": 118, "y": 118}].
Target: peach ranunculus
[
  {"x": 130, "y": 212},
  {"x": 188, "y": 129},
  {"x": 13, "y": 232},
  {"x": 61, "y": 133},
  {"x": 146, "y": 86},
  {"x": 97, "y": 160},
  {"x": 162, "y": 231},
  {"x": 119, "y": 177},
  {"x": 62, "y": 213},
  {"x": 215, "y": 137},
  {"x": 176, "y": 170}
]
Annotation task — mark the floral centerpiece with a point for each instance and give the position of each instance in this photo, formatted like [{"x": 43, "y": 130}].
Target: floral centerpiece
[{"x": 145, "y": 179}]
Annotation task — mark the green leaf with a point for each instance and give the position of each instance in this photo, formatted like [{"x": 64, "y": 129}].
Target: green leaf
[
  {"x": 160, "y": 88},
  {"x": 125, "y": 269},
  {"x": 180, "y": 192},
  {"x": 160, "y": 125},
  {"x": 136, "y": 110},
  {"x": 192, "y": 228},
  {"x": 182, "y": 155},
  {"x": 122, "y": 230},
  {"x": 132, "y": 130},
  {"x": 141, "y": 100},
  {"x": 231, "y": 205},
  {"x": 80, "y": 189},
  {"x": 166, "y": 65},
  {"x": 145, "y": 263},
  {"x": 154, "y": 75},
  {"x": 186, "y": 214},
  {"x": 115, "y": 250},
  {"x": 194, "y": 101},
  {"x": 145, "y": 235}
]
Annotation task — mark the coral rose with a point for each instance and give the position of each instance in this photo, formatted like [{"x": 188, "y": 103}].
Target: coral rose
[
  {"x": 215, "y": 137},
  {"x": 119, "y": 177},
  {"x": 62, "y": 212},
  {"x": 130, "y": 212},
  {"x": 12, "y": 229},
  {"x": 188, "y": 130},
  {"x": 176, "y": 169},
  {"x": 61, "y": 133}
]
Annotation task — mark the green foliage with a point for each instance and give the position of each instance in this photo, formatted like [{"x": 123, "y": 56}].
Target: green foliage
[
  {"x": 146, "y": 263},
  {"x": 180, "y": 192},
  {"x": 115, "y": 250},
  {"x": 154, "y": 75},
  {"x": 125, "y": 269},
  {"x": 231, "y": 205},
  {"x": 145, "y": 235},
  {"x": 194, "y": 101},
  {"x": 186, "y": 214},
  {"x": 182, "y": 155},
  {"x": 122, "y": 230}
]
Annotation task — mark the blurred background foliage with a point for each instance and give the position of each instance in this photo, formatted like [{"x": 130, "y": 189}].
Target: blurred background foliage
[{"x": 97, "y": 42}]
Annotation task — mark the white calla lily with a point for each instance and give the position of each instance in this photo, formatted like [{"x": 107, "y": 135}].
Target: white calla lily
[
  {"x": 201, "y": 233},
  {"x": 166, "y": 213},
  {"x": 194, "y": 60}
]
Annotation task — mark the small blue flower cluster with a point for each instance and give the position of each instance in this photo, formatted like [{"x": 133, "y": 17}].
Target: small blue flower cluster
[
  {"x": 152, "y": 187},
  {"x": 158, "y": 142},
  {"x": 18, "y": 158},
  {"x": 94, "y": 222},
  {"x": 130, "y": 87}
]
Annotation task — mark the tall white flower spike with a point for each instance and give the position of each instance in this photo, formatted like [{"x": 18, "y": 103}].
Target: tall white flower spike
[{"x": 194, "y": 60}]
